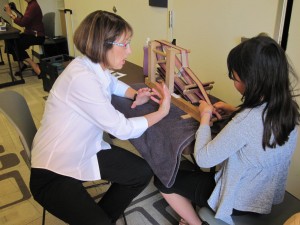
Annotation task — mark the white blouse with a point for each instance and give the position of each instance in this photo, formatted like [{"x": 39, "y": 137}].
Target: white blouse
[{"x": 77, "y": 112}]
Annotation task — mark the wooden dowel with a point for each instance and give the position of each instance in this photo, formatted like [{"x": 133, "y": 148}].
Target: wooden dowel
[
  {"x": 208, "y": 83},
  {"x": 186, "y": 87},
  {"x": 173, "y": 46},
  {"x": 159, "y": 52},
  {"x": 209, "y": 87},
  {"x": 190, "y": 91},
  {"x": 161, "y": 61}
]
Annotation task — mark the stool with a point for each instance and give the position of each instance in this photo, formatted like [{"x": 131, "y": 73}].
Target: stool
[{"x": 279, "y": 214}]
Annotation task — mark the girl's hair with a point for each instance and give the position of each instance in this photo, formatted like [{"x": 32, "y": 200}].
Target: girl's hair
[
  {"x": 263, "y": 67},
  {"x": 94, "y": 35}
]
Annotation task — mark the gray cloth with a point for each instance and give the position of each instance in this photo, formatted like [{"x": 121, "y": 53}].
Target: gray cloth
[{"x": 162, "y": 144}]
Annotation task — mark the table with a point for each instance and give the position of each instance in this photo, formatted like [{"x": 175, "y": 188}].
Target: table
[
  {"x": 134, "y": 73},
  {"x": 11, "y": 33}
]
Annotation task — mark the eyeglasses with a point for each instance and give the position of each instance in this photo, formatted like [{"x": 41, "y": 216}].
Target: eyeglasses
[{"x": 125, "y": 45}]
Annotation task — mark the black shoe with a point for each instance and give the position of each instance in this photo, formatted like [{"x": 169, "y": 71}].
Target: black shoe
[
  {"x": 24, "y": 67},
  {"x": 17, "y": 74}
]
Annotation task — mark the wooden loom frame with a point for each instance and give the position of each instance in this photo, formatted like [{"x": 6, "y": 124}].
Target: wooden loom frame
[{"x": 164, "y": 54}]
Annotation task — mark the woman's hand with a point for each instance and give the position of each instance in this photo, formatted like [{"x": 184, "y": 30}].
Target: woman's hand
[
  {"x": 162, "y": 96},
  {"x": 142, "y": 96}
]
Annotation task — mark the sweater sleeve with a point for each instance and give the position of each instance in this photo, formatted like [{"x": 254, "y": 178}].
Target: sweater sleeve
[{"x": 209, "y": 153}]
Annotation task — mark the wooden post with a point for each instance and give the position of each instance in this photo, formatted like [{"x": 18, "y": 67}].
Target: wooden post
[
  {"x": 162, "y": 52},
  {"x": 152, "y": 61},
  {"x": 170, "y": 69}
]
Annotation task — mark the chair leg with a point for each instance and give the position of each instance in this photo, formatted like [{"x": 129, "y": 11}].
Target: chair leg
[
  {"x": 124, "y": 217},
  {"x": 1, "y": 61},
  {"x": 44, "y": 216}
]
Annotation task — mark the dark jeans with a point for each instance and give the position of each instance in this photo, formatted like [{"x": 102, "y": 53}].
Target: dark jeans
[
  {"x": 67, "y": 199},
  {"x": 21, "y": 45}
]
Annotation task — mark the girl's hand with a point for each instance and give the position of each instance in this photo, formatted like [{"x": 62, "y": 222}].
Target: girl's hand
[
  {"x": 205, "y": 108},
  {"x": 143, "y": 96},
  {"x": 224, "y": 108}
]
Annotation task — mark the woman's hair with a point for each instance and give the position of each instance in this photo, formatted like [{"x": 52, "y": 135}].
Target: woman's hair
[
  {"x": 96, "y": 30},
  {"x": 263, "y": 67}
]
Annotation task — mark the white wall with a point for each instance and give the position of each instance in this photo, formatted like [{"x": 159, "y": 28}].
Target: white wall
[
  {"x": 293, "y": 51},
  {"x": 146, "y": 21},
  {"x": 210, "y": 29}
]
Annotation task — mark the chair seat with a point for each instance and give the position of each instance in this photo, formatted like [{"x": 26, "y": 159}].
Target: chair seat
[
  {"x": 280, "y": 213},
  {"x": 208, "y": 216}
]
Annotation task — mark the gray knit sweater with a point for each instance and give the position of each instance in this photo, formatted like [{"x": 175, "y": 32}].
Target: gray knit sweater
[{"x": 250, "y": 178}]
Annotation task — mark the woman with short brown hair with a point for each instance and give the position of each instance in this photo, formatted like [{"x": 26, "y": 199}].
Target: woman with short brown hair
[{"x": 69, "y": 147}]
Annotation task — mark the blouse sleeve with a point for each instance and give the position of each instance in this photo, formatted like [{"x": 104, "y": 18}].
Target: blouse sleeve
[
  {"x": 119, "y": 87},
  {"x": 90, "y": 100}
]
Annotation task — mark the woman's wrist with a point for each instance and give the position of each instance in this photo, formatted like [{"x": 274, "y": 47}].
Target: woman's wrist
[{"x": 163, "y": 110}]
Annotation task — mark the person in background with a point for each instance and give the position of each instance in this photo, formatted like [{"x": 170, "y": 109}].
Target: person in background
[
  {"x": 69, "y": 147},
  {"x": 254, "y": 149},
  {"x": 33, "y": 34}
]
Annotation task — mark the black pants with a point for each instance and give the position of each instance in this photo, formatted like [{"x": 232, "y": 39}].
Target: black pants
[
  {"x": 196, "y": 186},
  {"x": 21, "y": 45},
  {"x": 67, "y": 199}
]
